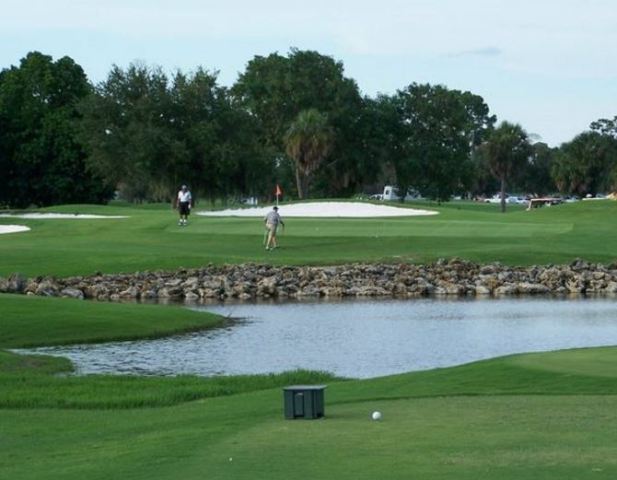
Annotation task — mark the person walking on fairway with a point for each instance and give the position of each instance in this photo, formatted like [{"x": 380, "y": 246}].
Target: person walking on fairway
[
  {"x": 184, "y": 202},
  {"x": 272, "y": 220}
]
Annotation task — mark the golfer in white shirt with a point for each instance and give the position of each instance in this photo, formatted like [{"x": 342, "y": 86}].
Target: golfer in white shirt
[{"x": 184, "y": 202}]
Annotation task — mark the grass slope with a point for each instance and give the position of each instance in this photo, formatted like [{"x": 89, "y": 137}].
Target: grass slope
[
  {"x": 532, "y": 423},
  {"x": 150, "y": 239},
  {"x": 29, "y": 321}
]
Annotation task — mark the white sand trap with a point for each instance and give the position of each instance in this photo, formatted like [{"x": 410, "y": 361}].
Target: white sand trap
[
  {"x": 13, "y": 228},
  {"x": 325, "y": 209},
  {"x": 52, "y": 216}
]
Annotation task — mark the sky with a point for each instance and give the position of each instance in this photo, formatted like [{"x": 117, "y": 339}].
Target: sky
[{"x": 549, "y": 65}]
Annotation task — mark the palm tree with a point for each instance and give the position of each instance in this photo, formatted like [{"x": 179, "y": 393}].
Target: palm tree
[
  {"x": 507, "y": 149},
  {"x": 308, "y": 142}
]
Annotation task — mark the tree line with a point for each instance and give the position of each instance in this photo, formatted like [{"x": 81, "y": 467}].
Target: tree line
[{"x": 295, "y": 120}]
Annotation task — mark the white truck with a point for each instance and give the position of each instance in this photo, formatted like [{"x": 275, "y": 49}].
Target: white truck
[{"x": 390, "y": 192}]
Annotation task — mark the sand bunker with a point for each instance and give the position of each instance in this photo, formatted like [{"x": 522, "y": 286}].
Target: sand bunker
[
  {"x": 13, "y": 228},
  {"x": 325, "y": 209},
  {"x": 45, "y": 216}
]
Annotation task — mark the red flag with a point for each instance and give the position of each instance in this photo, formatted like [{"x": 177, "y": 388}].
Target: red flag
[{"x": 279, "y": 192}]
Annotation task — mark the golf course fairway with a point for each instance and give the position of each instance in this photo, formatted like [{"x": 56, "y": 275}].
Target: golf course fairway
[
  {"x": 534, "y": 416},
  {"x": 150, "y": 239}
]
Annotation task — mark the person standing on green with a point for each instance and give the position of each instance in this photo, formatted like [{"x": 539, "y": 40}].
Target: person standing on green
[
  {"x": 184, "y": 202},
  {"x": 272, "y": 220}
]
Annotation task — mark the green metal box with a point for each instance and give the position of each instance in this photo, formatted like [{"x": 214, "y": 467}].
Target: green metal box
[{"x": 304, "y": 401}]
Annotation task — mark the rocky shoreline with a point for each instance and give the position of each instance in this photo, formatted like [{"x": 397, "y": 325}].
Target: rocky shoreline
[{"x": 452, "y": 277}]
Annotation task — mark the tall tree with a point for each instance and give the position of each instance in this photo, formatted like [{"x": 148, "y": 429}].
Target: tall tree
[
  {"x": 441, "y": 127},
  {"x": 536, "y": 175},
  {"x": 381, "y": 137},
  {"x": 483, "y": 182},
  {"x": 197, "y": 103},
  {"x": 243, "y": 166},
  {"x": 587, "y": 164},
  {"x": 275, "y": 89},
  {"x": 41, "y": 159},
  {"x": 148, "y": 134},
  {"x": 308, "y": 142},
  {"x": 608, "y": 128},
  {"x": 507, "y": 150},
  {"x": 223, "y": 153},
  {"x": 126, "y": 126},
  {"x": 605, "y": 126}
]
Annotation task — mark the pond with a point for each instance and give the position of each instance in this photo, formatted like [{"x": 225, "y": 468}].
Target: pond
[{"x": 359, "y": 339}]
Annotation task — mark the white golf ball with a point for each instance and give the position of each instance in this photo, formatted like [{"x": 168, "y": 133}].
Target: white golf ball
[{"x": 376, "y": 415}]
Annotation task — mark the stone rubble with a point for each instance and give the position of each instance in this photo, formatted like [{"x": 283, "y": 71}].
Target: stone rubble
[{"x": 453, "y": 277}]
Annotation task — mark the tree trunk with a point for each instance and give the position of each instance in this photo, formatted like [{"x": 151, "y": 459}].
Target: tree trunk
[
  {"x": 503, "y": 194},
  {"x": 299, "y": 184},
  {"x": 305, "y": 185}
]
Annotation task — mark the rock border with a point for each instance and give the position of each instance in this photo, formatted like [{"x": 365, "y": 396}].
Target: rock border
[{"x": 453, "y": 277}]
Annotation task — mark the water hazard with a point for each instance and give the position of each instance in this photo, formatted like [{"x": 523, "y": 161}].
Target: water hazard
[{"x": 359, "y": 339}]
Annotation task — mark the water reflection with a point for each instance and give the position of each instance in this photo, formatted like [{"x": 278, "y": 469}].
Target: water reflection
[{"x": 359, "y": 338}]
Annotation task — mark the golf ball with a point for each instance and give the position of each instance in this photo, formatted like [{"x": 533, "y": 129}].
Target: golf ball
[{"x": 376, "y": 415}]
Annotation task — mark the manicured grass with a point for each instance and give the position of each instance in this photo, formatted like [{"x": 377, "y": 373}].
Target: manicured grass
[
  {"x": 536, "y": 416},
  {"x": 150, "y": 239},
  {"x": 532, "y": 423},
  {"x": 29, "y": 321},
  {"x": 21, "y": 365}
]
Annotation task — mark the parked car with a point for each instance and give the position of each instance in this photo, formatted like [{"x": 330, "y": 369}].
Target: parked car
[
  {"x": 509, "y": 199},
  {"x": 518, "y": 200},
  {"x": 496, "y": 198},
  {"x": 597, "y": 196}
]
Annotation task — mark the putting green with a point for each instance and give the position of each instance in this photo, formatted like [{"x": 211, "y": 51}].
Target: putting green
[
  {"x": 150, "y": 239},
  {"x": 380, "y": 228}
]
